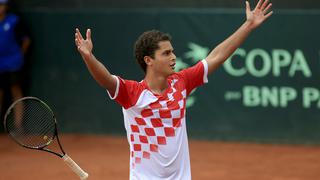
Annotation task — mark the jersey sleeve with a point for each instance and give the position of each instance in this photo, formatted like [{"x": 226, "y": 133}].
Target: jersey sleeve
[
  {"x": 195, "y": 76},
  {"x": 126, "y": 93}
]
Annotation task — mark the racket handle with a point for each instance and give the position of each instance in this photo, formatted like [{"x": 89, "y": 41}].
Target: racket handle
[{"x": 75, "y": 168}]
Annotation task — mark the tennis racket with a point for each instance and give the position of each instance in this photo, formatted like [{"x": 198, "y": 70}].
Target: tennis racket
[{"x": 31, "y": 123}]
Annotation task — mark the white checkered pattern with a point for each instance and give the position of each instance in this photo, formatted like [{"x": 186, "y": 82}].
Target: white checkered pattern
[{"x": 156, "y": 127}]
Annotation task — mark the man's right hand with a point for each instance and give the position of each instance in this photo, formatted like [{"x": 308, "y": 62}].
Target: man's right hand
[{"x": 84, "y": 46}]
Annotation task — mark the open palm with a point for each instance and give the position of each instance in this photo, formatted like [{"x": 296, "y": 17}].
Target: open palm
[
  {"x": 84, "y": 45},
  {"x": 259, "y": 14}
]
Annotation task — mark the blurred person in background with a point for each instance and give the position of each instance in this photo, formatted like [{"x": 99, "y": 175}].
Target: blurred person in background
[{"x": 14, "y": 43}]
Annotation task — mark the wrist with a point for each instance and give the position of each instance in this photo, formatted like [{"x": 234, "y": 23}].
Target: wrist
[
  {"x": 88, "y": 57},
  {"x": 248, "y": 25}
]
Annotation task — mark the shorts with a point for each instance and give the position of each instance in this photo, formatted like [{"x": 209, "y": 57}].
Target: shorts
[{"x": 7, "y": 79}]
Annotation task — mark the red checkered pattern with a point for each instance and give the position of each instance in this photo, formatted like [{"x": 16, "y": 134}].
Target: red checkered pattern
[{"x": 156, "y": 124}]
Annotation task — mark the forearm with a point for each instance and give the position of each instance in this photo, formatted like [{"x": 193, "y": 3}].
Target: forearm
[
  {"x": 100, "y": 73},
  {"x": 225, "y": 49},
  {"x": 25, "y": 45}
]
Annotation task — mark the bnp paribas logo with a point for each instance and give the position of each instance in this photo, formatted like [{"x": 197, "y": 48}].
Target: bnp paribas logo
[{"x": 196, "y": 53}]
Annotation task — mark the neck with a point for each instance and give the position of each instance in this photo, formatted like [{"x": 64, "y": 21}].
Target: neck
[{"x": 157, "y": 83}]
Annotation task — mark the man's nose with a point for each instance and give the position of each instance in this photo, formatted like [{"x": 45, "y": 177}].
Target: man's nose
[{"x": 174, "y": 57}]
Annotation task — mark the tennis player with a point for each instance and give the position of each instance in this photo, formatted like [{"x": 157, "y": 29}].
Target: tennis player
[{"x": 154, "y": 109}]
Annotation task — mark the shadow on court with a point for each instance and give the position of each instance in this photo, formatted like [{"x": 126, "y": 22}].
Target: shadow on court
[{"x": 107, "y": 157}]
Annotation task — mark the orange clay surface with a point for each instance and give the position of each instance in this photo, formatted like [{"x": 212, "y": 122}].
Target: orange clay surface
[{"x": 107, "y": 157}]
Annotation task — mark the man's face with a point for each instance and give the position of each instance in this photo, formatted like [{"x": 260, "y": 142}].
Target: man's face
[{"x": 164, "y": 59}]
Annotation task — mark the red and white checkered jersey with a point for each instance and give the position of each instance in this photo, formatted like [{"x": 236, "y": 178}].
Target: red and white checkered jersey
[{"x": 156, "y": 124}]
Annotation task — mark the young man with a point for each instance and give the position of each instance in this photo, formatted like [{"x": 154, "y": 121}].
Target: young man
[{"x": 154, "y": 109}]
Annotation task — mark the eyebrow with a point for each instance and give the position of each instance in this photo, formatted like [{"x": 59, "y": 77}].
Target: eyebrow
[{"x": 169, "y": 50}]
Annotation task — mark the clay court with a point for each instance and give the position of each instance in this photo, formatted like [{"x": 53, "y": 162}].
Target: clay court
[{"x": 107, "y": 157}]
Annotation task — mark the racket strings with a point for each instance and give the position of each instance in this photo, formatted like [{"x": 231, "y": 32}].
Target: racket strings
[{"x": 31, "y": 123}]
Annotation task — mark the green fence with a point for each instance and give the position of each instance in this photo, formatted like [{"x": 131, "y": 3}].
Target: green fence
[{"x": 268, "y": 92}]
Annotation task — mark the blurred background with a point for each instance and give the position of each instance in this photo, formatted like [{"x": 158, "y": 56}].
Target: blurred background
[
  {"x": 268, "y": 91},
  {"x": 84, "y": 4}
]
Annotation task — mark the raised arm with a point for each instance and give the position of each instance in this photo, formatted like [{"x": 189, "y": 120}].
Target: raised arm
[
  {"x": 96, "y": 68},
  {"x": 224, "y": 50}
]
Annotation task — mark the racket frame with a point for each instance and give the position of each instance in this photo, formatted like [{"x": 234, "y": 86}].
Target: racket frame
[
  {"x": 43, "y": 147},
  {"x": 75, "y": 168}
]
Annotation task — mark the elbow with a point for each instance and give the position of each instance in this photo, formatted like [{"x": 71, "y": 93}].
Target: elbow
[{"x": 214, "y": 62}]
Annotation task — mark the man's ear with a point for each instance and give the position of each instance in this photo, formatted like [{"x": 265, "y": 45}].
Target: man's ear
[{"x": 148, "y": 60}]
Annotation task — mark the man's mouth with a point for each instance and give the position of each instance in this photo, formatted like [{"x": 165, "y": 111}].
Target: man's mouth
[{"x": 173, "y": 65}]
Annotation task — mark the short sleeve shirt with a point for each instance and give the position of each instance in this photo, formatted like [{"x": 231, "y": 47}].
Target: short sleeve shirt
[
  {"x": 12, "y": 32},
  {"x": 156, "y": 124}
]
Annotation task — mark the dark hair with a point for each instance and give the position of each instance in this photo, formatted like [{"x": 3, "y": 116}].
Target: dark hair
[{"x": 147, "y": 44}]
